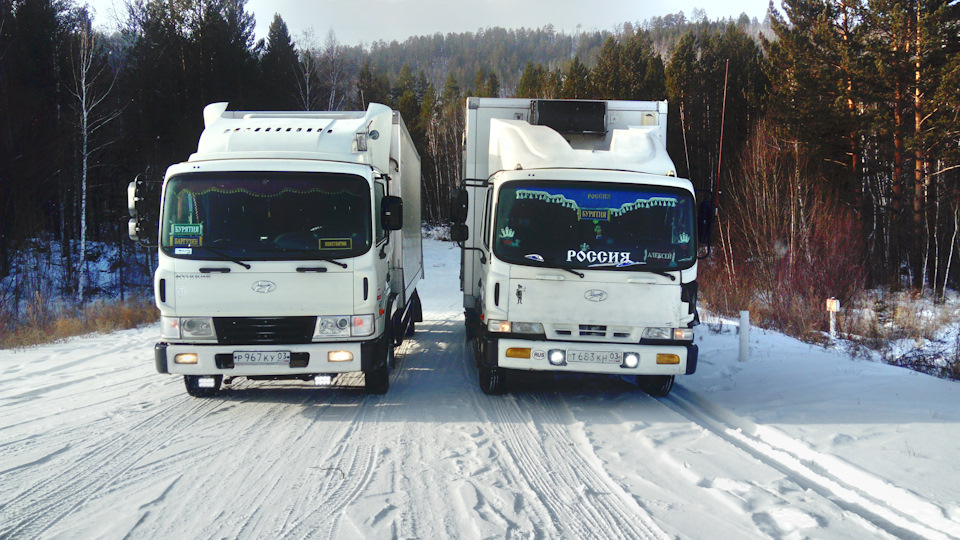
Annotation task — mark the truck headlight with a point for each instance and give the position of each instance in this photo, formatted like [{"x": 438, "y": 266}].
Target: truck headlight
[
  {"x": 344, "y": 326},
  {"x": 527, "y": 328},
  {"x": 514, "y": 327},
  {"x": 332, "y": 326},
  {"x": 675, "y": 334},
  {"x": 187, "y": 328},
  {"x": 197, "y": 328}
]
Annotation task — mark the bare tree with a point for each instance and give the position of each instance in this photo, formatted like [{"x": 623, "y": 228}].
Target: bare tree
[
  {"x": 333, "y": 72},
  {"x": 308, "y": 71},
  {"x": 92, "y": 83}
]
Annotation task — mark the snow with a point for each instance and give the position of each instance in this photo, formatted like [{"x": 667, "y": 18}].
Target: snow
[{"x": 797, "y": 442}]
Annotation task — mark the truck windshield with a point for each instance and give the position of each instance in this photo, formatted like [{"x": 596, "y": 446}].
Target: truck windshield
[
  {"x": 596, "y": 226},
  {"x": 266, "y": 216}
]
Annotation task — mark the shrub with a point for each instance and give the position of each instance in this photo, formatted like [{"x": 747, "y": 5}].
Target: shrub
[{"x": 45, "y": 324}]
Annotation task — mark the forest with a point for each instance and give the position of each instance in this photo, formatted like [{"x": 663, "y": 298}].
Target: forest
[{"x": 828, "y": 134}]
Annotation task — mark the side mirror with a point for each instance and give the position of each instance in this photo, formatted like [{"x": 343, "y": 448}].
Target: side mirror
[
  {"x": 133, "y": 227},
  {"x": 704, "y": 222},
  {"x": 391, "y": 213},
  {"x": 132, "y": 198},
  {"x": 143, "y": 196},
  {"x": 459, "y": 232},
  {"x": 459, "y": 204}
]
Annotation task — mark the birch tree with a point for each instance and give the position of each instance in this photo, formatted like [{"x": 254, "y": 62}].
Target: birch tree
[{"x": 91, "y": 84}]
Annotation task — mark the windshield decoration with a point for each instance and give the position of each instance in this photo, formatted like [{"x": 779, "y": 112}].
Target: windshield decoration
[
  {"x": 186, "y": 235},
  {"x": 268, "y": 215},
  {"x": 336, "y": 243},
  {"x": 605, "y": 226}
]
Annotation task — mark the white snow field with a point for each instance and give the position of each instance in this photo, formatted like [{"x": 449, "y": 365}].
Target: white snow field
[{"x": 797, "y": 442}]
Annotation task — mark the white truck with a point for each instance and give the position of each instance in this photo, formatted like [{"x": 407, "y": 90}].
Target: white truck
[
  {"x": 579, "y": 242},
  {"x": 289, "y": 248}
]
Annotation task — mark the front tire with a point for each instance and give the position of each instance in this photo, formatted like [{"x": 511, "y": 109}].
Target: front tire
[
  {"x": 192, "y": 383},
  {"x": 493, "y": 380},
  {"x": 656, "y": 385}
]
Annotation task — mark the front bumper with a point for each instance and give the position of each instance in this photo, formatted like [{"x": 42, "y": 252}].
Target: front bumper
[
  {"x": 306, "y": 358},
  {"x": 495, "y": 354}
]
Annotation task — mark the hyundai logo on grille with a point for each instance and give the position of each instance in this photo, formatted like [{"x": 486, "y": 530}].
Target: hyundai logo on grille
[
  {"x": 263, "y": 286},
  {"x": 595, "y": 295}
]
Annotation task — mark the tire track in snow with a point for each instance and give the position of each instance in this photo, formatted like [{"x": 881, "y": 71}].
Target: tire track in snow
[
  {"x": 352, "y": 462},
  {"x": 581, "y": 498},
  {"x": 894, "y": 510},
  {"x": 449, "y": 457},
  {"x": 96, "y": 466}
]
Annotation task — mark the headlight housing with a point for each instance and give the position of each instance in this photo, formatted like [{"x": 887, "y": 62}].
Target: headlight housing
[
  {"x": 187, "y": 328},
  {"x": 671, "y": 334},
  {"x": 514, "y": 327},
  {"x": 336, "y": 326}
]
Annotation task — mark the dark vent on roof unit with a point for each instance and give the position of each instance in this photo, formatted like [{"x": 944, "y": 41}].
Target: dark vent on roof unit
[{"x": 570, "y": 116}]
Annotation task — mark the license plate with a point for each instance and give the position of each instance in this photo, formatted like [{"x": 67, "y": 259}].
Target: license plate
[
  {"x": 261, "y": 357},
  {"x": 595, "y": 357}
]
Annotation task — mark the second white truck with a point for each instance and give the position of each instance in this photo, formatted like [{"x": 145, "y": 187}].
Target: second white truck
[{"x": 579, "y": 241}]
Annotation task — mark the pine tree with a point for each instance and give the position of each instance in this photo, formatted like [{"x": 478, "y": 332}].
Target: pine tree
[
  {"x": 532, "y": 81},
  {"x": 576, "y": 83},
  {"x": 278, "y": 69},
  {"x": 608, "y": 74}
]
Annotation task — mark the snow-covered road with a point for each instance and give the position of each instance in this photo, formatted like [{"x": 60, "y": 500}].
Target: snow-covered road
[{"x": 797, "y": 442}]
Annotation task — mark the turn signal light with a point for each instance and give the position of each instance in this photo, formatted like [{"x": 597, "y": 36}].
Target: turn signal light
[
  {"x": 668, "y": 359},
  {"x": 516, "y": 352}
]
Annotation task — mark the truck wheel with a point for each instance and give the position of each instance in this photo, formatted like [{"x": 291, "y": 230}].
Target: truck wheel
[
  {"x": 192, "y": 382},
  {"x": 493, "y": 380},
  {"x": 656, "y": 385}
]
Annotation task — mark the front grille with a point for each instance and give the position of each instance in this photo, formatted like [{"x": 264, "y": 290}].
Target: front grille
[
  {"x": 593, "y": 332},
  {"x": 264, "y": 330}
]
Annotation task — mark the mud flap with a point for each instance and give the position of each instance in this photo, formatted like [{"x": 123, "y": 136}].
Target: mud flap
[
  {"x": 373, "y": 352},
  {"x": 160, "y": 357},
  {"x": 692, "y": 353}
]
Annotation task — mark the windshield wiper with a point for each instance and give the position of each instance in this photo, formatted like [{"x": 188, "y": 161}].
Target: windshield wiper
[
  {"x": 539, "y": 258},
  {"x": 224, "y": 257},
  {"x": 657, "y": 272},
  {"x": 310, "y": 252}
]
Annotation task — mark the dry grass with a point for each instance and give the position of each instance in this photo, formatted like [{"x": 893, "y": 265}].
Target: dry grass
[
  {"x": 43, "y": 323},
  {"x": 883, "y": 317}
]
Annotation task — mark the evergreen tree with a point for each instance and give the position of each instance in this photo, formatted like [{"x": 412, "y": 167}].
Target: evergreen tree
[
  {"x": 278, "y": 68},
  {"x": 576, "y": 83},
  {"x": 532, "y": 81},
  {"x": 372, "y": 87},
  {"x": 608, "y": 74}
]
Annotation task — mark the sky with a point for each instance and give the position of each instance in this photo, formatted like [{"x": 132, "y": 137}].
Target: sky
[{"x": 366, "y": 21}]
